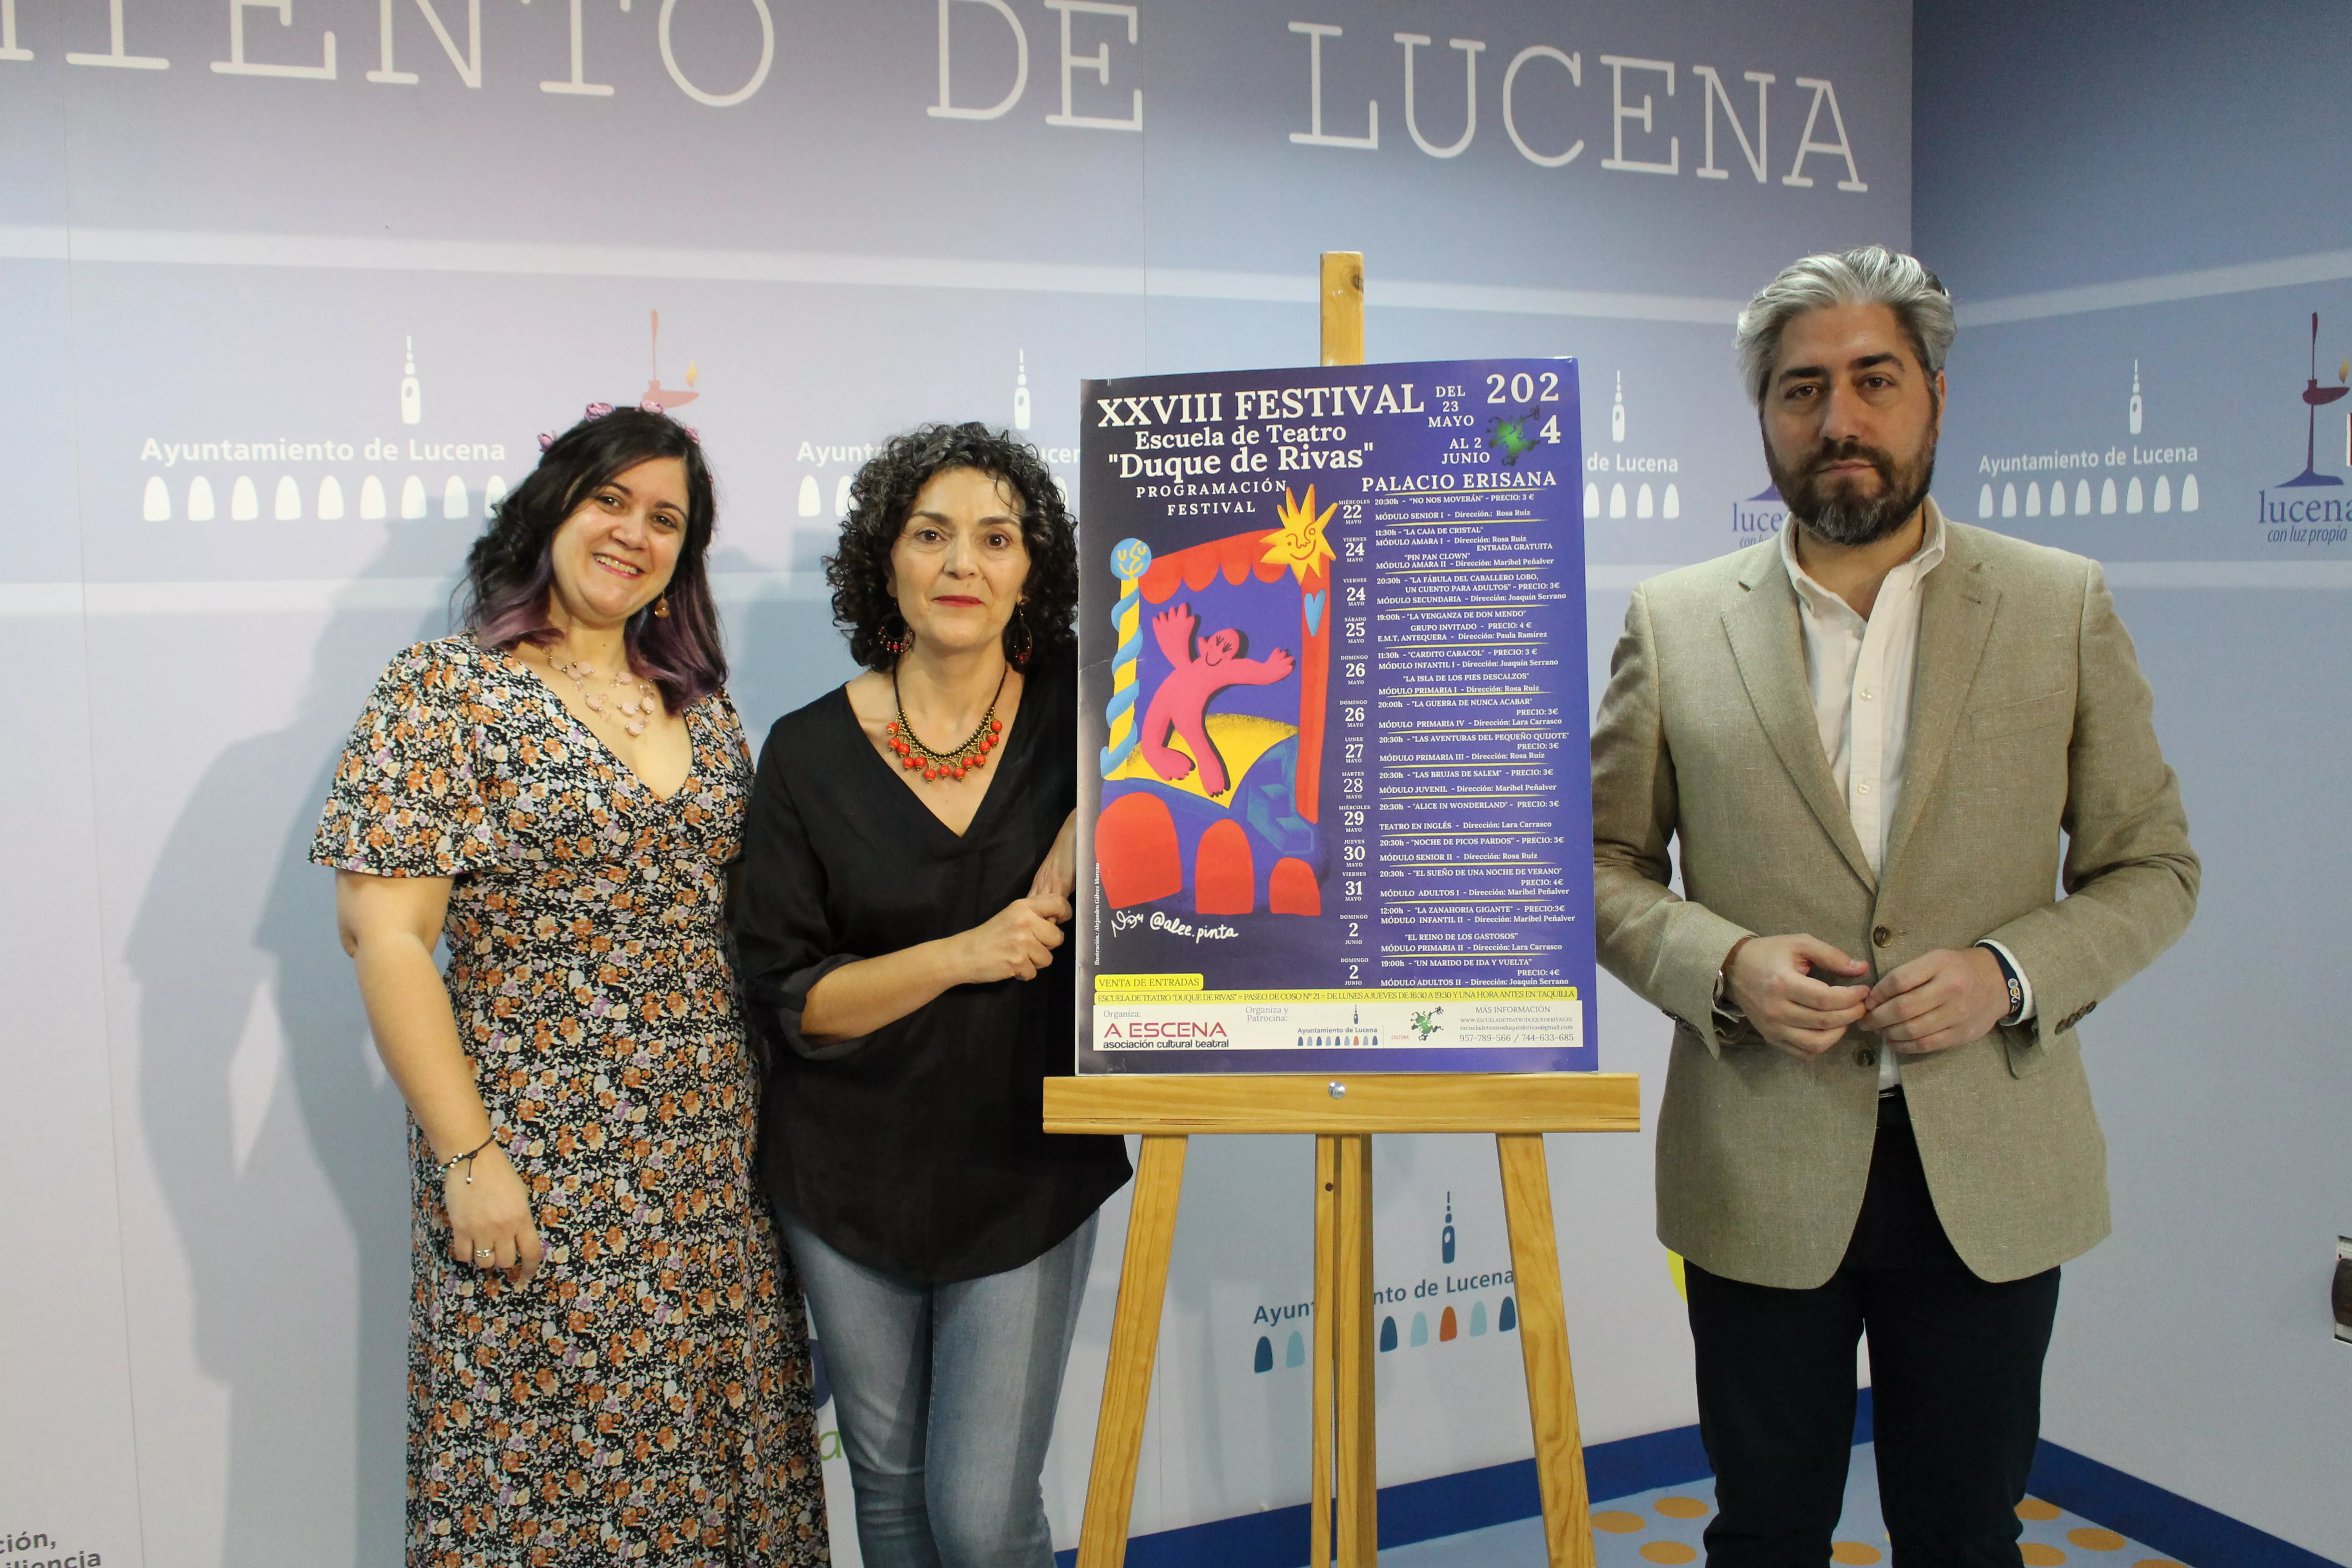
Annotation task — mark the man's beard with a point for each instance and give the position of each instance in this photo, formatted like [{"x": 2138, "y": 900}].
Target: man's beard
[{"x": 1828, "y": 507}]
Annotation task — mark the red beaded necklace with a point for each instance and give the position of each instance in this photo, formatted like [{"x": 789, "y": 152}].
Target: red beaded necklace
[{"x": 970, "y": 757}]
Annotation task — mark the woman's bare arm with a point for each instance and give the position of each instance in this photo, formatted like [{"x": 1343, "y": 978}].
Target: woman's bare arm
[
  {"x": 388, "y": 925},
  {"x": 1057, "y": 874}
]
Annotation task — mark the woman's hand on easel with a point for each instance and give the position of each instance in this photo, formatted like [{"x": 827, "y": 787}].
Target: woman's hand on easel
[{"x": 1017, "y": 944}]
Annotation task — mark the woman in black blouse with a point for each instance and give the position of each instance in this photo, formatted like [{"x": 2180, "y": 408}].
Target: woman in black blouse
[{"x": 909, "y": 866}]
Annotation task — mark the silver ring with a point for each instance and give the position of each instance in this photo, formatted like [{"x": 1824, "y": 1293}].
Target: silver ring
[{"x": 484, "y": 1255}]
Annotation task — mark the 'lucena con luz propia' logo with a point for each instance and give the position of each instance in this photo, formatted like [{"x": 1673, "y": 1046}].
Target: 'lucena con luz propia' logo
[
  {"x": 2299, "y": 518},
  {"x": 1760, "y": 516}
]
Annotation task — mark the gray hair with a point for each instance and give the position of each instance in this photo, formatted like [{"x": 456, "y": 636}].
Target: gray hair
[{"x": 1872, "y": 274}]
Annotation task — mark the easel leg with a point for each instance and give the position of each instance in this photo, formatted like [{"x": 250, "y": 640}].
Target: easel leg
[
  {"x": 1357, "y": 1470},
  {"x": 1134, "y": 1341},
  {"x": 1343, "y": 307},
  {"x": 1343, "y": 1185},
  {"x": 1543, "y": 1342},
  {"x": 1327, "y": 1310}
]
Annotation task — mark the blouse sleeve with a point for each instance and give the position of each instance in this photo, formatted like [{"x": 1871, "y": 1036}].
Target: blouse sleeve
[
  {"x": 784, "y": 938},
  {"x": 730, "y": 721},
  {"x": 405, "y": 800}
]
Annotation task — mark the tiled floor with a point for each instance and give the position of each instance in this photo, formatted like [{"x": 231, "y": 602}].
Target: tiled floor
[{"x": 1664, "y": 1527}]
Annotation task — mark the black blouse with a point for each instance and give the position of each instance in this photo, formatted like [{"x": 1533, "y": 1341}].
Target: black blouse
[{"x": 916, "y": 1150}]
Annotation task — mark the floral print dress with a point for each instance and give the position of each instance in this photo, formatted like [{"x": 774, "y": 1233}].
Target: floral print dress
[{"x": 645, "y": 1398}]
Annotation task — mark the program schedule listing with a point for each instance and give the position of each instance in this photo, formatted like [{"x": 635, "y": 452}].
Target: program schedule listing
[{"x": 1335, "y": 785}]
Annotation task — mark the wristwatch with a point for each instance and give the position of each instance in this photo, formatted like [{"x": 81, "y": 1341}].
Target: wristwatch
[{"x": 1727, "y": 1009}]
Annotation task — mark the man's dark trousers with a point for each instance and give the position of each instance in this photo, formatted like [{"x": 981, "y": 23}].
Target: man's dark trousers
[{"x": 1955, "y": 1380}]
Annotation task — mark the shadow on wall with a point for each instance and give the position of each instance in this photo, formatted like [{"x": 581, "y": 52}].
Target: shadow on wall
[
  {"x": 244, "y": 991},
  {"x": 1245, "y": 1232}
]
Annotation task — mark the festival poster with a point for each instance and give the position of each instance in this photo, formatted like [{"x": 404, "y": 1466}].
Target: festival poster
[{"x": 1336, "y": 795}]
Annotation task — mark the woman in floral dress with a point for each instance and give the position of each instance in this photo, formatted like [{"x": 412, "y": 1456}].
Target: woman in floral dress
[{"x": 607, "y": 1362}]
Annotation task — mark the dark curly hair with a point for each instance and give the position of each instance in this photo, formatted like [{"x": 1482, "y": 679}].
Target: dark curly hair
[
  {"x": 884, "y": 493},
  {"x": 503, "y": 600}
]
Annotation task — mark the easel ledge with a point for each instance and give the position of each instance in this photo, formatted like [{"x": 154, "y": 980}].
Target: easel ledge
[
  {"x": 1153, "y": 1103},
  {"x": 1343, "y": 1110}
]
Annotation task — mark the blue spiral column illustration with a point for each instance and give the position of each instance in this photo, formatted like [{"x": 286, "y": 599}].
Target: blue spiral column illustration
[{"x": 1131, "y": 560}]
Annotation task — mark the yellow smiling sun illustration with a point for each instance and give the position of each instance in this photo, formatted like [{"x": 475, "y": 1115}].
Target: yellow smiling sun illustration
[{"x": 1298, "y": 543}]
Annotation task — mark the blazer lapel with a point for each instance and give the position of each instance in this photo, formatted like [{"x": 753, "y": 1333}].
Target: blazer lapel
[
  {"x": 1767, "y": 644},
  {"x": 1956, "y": 615}
]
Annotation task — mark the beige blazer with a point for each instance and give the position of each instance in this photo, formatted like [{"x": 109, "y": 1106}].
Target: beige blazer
[{"x": 2030, "y": 724}]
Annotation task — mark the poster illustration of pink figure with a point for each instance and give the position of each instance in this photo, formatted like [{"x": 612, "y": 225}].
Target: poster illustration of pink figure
[
  {"x": 1180, "y": 704},
  {"x": 1212, "y": 792}
]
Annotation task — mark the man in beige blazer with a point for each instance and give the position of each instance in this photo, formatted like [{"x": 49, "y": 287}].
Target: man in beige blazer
[{"x": 1886, "y": 743}]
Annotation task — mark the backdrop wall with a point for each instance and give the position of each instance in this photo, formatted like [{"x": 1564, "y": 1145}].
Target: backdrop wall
[
  {"x": 227, "y": 241},
  {"x": 219, "y": 270},
  {"x": 2128, "y": 192}
]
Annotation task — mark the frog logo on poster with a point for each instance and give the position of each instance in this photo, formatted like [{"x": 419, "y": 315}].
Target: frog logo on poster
[{"x": 1514, "y": 438}]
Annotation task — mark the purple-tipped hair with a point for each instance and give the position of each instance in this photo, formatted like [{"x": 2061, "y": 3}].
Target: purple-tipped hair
[{"x": 509, "y": 572}]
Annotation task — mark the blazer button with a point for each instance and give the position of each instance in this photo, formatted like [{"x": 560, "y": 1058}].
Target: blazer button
[
  {"x": 1865, "y": 1058},
  {"x": 1880, "y": 936}
]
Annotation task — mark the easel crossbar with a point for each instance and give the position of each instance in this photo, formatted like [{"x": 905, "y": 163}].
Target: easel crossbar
[{"x": 1376, "y": 1102}]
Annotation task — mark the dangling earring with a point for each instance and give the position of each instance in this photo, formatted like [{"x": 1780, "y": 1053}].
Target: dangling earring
[
  {"x": 661, "y": 609},
  {"x": 1021, "y": 624},
  {"x": 895, "y": 643}
]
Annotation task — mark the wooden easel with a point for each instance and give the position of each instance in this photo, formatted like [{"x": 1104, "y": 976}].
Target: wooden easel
[{"x": 1343, "y": 1113}]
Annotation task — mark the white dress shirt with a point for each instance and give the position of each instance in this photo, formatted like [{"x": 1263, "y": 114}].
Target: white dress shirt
[{"x": 1859, "y": 672}]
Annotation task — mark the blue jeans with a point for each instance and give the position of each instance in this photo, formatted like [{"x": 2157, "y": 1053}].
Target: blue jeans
[{"x": 946, "y": 1395}]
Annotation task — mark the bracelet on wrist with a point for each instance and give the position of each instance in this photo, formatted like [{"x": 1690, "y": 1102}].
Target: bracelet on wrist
[
  {"x": 467, "y": 1159},
  {"x": 2015, "y": 985}
]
